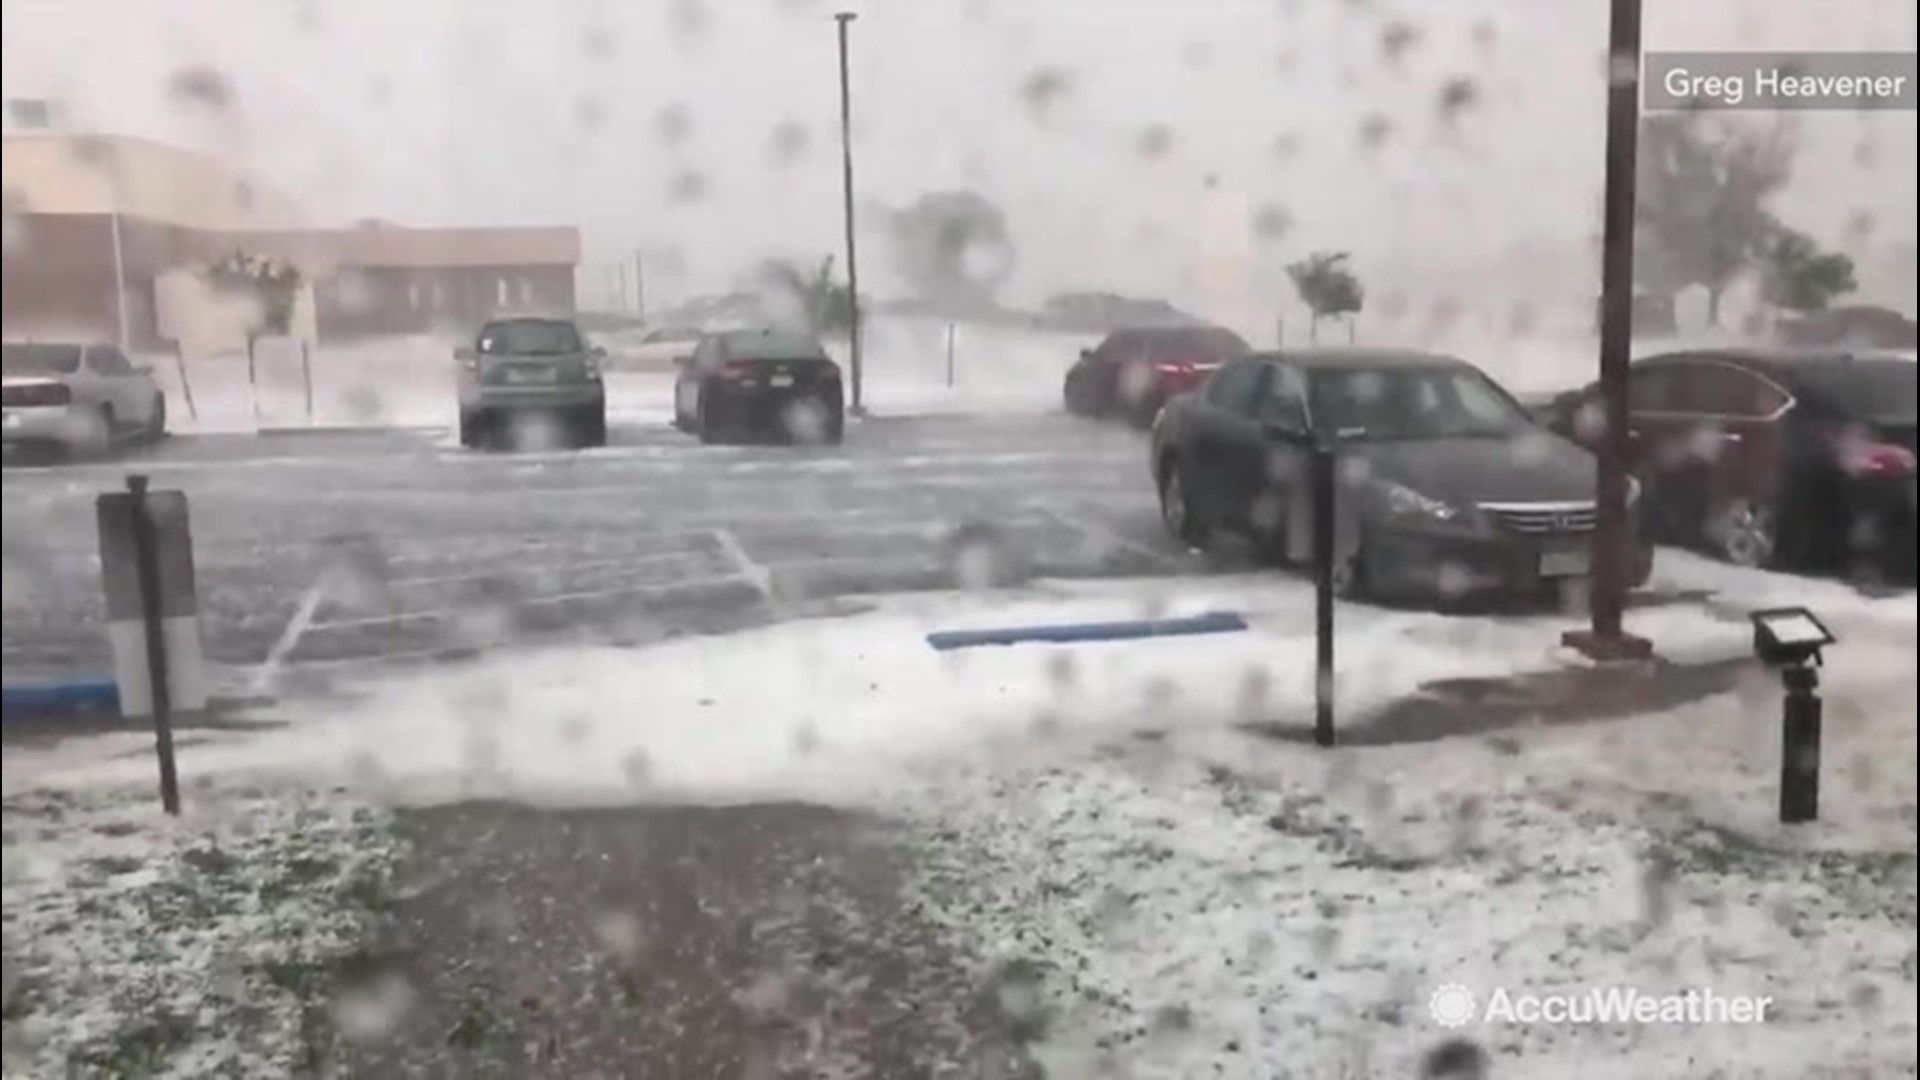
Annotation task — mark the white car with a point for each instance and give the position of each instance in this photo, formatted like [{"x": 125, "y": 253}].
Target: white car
[
  {"x": 77, "y": 396},
  {"x": 657, "y": 351}
]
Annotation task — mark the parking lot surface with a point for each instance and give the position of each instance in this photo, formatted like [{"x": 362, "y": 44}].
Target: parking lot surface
[{"x": 348, "y": 546}]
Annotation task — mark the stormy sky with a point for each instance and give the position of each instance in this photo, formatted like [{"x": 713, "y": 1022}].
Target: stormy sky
[{"x": 1126, "y": 139}]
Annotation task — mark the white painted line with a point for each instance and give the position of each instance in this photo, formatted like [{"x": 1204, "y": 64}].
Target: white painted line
[
  {"x": 1100, "y": 534},
  {"x": 638, "y": 562},
  {"x": 443, "y": 614},
  {"x": 290, "y": 637},
  {"x": 759, "y": 576}
]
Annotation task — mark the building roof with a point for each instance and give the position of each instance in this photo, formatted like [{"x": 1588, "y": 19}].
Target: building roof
[{"x": 59, "y": 173}]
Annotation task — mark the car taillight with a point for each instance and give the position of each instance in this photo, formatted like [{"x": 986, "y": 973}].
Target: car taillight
[
  {"x": 830, "y": 372},
  {"x": 1868, "y": 459},
  {"x": 36, "y": 395},
  {"x": 1173, "y": 367},
  {"x": 734, "y": 371}
]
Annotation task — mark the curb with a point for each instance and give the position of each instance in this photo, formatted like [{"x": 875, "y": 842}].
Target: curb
[
  {"x": 91, "y": 696},
  {"x": 1213, "y": 622},
  {"x": 38, "y": 699}
]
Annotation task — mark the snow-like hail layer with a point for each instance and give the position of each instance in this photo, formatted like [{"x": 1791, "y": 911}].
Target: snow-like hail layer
[
  {"x": 1200, "y": 899},
  {"x": 137, "y": 944}
]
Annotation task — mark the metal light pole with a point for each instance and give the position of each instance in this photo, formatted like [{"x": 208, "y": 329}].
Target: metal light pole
[
  {"x": 841, "y": 19},
  {"x": 1605, "y": 639}
]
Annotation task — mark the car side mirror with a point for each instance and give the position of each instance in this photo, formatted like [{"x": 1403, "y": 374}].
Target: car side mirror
[
  {"x": 1086, "y": 354},
  {"x": 683, "y": 360},
  {"x": 464, "y": 353},
  {"x": 598, "y": 352}
]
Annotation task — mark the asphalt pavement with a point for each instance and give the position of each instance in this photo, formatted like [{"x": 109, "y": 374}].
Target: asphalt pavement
[{"x": 348, "y": 546}]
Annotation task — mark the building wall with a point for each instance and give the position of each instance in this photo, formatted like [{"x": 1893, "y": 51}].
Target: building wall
[{"x": 418, "y": 300}]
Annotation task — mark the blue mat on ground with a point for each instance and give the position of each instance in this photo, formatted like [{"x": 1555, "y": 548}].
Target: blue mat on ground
[
  {"x": 37, "y": 699},
  {"x": 1213, "y": 622}
]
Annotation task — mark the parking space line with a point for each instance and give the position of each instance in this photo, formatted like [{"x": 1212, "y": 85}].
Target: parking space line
[
  {"x": 1102, "y": 534},
  {"x": 758, "y": 575},
  {"x": 442, "y": 614}
]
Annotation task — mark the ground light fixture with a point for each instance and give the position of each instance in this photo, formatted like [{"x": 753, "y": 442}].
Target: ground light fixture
[{"x": 1790, "y": 639}]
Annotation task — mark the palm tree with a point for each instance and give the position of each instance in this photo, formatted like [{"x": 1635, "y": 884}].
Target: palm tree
[{"x": 821, "y": 302}]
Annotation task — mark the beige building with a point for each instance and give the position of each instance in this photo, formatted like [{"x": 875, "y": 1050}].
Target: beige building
[{"x": 106, "y": 231}]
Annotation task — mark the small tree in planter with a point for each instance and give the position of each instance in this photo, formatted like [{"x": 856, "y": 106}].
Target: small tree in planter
[
  {"x": 1328, "y": 287},
  {"x": 270, "y": 288}
]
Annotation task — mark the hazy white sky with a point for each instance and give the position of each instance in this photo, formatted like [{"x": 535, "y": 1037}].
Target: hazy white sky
[{"x": 549, "y": 111}]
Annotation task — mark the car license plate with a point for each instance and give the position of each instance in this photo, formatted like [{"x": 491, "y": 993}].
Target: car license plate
[
  {"x": 1572, "y": 562},
  {"x": 780, "y": 380},
  {"x": 530, "y": 376}
]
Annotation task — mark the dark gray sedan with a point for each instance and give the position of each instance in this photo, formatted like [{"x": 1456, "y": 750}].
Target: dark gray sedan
[{"x": 1447, "y": 486}]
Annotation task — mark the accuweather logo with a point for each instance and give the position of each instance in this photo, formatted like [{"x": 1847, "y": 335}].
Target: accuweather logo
[{"x": 1454, "y": 1005}]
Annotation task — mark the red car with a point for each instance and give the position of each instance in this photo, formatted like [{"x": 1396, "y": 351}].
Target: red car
[
  {"x": 1794, "y": 457},
  {"x": 1135, "y": 372}
]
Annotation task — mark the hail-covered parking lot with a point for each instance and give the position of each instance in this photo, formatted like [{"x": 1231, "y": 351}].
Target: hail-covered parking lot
[{"x": 349, "y": 546}]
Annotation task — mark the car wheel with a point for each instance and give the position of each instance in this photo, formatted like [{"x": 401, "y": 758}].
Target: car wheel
[
  {"x": 704, "y": 423},
  {"x": 1177, "y": 511},
  {"x": 591, "y": 427},
  {"x": 1073, "y": 394},
  {"x": 469, "y": 428},
  {"x": 157, "y": 419},
  {"x": 1145, "y": 411},
  {"x": 98, "y": 434},
  {"x": 1746, "y": 533},
  {"x": 1349, "y": 576}
]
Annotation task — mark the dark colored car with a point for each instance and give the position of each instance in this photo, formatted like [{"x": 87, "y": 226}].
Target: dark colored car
[
  {"x": 1448, "y": 486},
  {"x": 517, "y": 368},
  {"x": 741, "y": 382},
  {"x": 1771, "y": 457},
  {"x": 1133, "y": 373}
]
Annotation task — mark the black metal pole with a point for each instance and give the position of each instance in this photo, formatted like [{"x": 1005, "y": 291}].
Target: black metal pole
[
  {"x": 1324, "y": 508},
  {"x": 1616, "y": 331},
  {"x": 1800, "y": 746},
  {"x": 147, "y": 567},
  {"x": 846, "y": 194}
]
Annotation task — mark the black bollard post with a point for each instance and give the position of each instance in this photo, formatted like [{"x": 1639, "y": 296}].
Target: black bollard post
[
  {"x": 147, "y": 570},
  {"x": 1800, "y": 746},
  {"x": 1324, "y": 557}
]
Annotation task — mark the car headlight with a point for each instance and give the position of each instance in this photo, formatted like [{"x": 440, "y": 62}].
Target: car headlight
[{"x": 1403, "y": 501}]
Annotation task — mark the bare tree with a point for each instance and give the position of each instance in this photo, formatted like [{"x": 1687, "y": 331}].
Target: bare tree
[
  {"x": 270, "y": 290},
  {"x": 1703, "y": 192}
]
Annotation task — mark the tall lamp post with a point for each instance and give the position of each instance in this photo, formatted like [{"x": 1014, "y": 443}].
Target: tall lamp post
[
  {"x": 1605, "y": 638},
  {"x": 855, "y": 406}
]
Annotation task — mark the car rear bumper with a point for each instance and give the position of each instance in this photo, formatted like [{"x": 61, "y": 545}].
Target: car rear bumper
[
  {"x": 565, "y": 396},
  {"x": 1407, "y": 562},
  {"x": 765, "y": 407},
  {"x": 43, "y": 424}
]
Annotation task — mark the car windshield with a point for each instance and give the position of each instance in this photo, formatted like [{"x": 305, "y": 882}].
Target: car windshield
[
  {"x": 772, "y": 346},
  {"x": 530, "y": 337},
  {"x": 670, "y": 336},
  {"x": 39, "y": 360},
  {"x": 1412, "y": 403},
  {"x": 1863, "y": 388}
]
